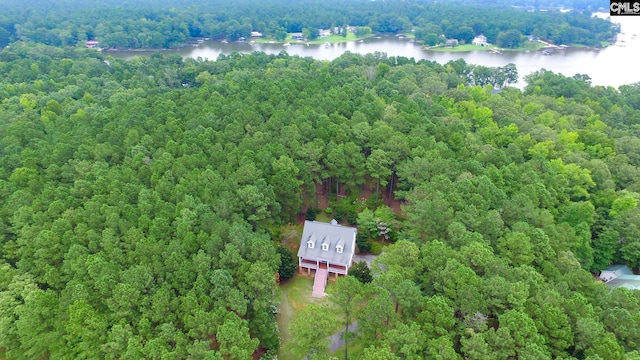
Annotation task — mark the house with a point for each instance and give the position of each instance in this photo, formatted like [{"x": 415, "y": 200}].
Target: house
[
  {"x": 451, "y": 42},
  {"x": 323, "y": 33},
  {"x": 480, "y": 40},
  {"x": 297, "y": 36},
  {"x": 92, "y": 44},
  {"x": 256, "y": 34},
  {"x": 325, "y": 249},
  {"x": 620, "y": 276}
]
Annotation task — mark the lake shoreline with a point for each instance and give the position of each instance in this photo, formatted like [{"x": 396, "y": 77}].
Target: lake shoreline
[
  {"x": 197, "y": 42},
  {"x": 594, "y": 62}
]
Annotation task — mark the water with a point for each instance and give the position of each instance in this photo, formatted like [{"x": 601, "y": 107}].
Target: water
[{"x": 611, "y": 66}]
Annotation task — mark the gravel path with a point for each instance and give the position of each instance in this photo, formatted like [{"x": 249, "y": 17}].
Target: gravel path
[
  {"x": 368, "y": 258},
  {"x": 336, "y": 339}
]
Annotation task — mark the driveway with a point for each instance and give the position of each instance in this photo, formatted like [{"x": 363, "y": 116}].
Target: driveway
[
  {"x": 337, "y": 342},
  {"x": 366, "y": 258}
]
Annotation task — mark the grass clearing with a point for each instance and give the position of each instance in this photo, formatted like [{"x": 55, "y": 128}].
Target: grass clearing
[
  {"x": 332, "y": 39},
  {"x": 355, "y": 349},
  {"x": 323, "y": 217},
  {"x": 528, "y": 45},
  {"x": 532, "y": 45},
  {"x": 459, "y": 48},
  {"x": 296, "y": 295}
]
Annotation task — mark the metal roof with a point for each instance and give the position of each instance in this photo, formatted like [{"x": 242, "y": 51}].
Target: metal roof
[{"x": 333, "y": 235}]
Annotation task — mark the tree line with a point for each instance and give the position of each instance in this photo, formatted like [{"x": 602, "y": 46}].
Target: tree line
[{"x": 171, "y": 23}]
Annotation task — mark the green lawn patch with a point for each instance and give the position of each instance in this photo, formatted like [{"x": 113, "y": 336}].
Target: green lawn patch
[
  {"x": 296, "y": 295},
  {"x": 332, "y": 39},
  {"x": 460, "y": 48},
  {"x": 324, "y": 217},
  {"x": 355, "y": 349},
  {"x": 529, "y": 45}
]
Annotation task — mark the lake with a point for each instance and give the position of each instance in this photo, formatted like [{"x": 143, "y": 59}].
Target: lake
[{"x": 611, "y": 66}]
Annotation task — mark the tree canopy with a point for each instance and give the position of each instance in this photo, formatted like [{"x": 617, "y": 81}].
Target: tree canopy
[
  {"x": 137, "y": 199},
  {"x": 121, "y": 24}
]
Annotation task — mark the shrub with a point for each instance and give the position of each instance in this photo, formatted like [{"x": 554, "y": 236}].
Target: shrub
[
  {"x": 363, "y": 243},
  {"x": 311, "y": 213},
  {"x": 288, "y": 263},
  {"x": 340, "y": 214},
  {"x": 376, "y": 248},
  {"x": 352, "y": 216},
  {"x": 360, "y": 271}
]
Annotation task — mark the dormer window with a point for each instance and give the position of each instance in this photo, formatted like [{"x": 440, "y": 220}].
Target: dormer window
[
  {"x": 312, "y": 241},
  {"x": 340, "y": 246},
  {"x": 325, "y": 243}
]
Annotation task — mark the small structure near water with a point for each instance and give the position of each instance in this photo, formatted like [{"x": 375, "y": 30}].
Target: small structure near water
[{"x": 451, "y": 43}]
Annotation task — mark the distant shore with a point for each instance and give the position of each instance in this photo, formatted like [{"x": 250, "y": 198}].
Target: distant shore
[{"x": 537, "y": 45}]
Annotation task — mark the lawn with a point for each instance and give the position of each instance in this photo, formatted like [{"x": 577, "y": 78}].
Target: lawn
[
  {"x": 532, "y": 45},
  {"x": 528, "y": 45},
  {"x": 355, "y": 349},
  {"x": 296, "y": 295},
  {"x": 323, "y": 217},
  {"x": 333, "y": 39},
  {"x": 460, "y": 48}
]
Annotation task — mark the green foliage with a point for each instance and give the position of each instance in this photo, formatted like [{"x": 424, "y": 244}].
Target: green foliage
[
  {"x": 136, "y": 212},
  {"x": 288, "y": 263},
  {"x": 363, "y": 243},
  {"x": 360, "y": 270},
  {"x": 311, "y": 329},
  {"x": 362, "y": 31},
  {"x": 171, "y": 23},
  {"x": 376, "y": 248},
  {"x": 311, "y": 212}
]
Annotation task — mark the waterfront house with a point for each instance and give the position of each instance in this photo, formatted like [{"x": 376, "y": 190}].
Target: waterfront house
[
  {"x": 451, "y": 43},
  {"x": 480, "y": 40}
]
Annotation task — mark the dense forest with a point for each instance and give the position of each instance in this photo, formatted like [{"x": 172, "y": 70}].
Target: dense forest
[
  {"x": 578, "y": 5},
  {"x": 139, "y": 198},
  {"x": 170, "y": 23}
]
